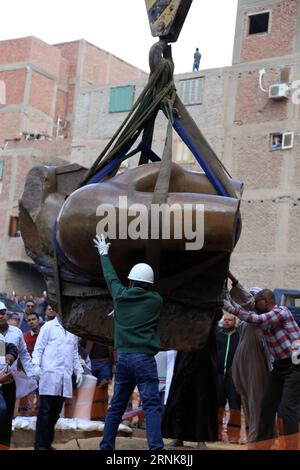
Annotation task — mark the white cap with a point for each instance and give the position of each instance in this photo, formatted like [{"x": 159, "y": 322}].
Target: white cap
[
  {"x": 2, "y": 306},
  {"x": 142, "y": 272},
  {"x": 255, "y": 290}
]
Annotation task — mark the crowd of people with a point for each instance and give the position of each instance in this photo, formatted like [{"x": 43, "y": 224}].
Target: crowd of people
[
  {"x": 48, "y": 357},
  {"x": 252, "y": 369}
]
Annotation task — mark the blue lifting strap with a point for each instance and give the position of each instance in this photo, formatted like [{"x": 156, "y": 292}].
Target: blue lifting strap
[
  {"x": 105, "y": 171},
  {"x": 181, "y": 131},
  {"x": 121, "y": 155}
]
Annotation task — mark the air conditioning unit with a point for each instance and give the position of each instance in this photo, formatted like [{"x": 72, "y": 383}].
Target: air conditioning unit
[{"x": 279, "y": 91}]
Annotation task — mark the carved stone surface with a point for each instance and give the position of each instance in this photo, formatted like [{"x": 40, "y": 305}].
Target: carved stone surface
[{"x": 191, "y": 282}]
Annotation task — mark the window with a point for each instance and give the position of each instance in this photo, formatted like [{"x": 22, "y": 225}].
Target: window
[
  {"x": 2, "y": 93},
  {"x": 182, "y": 153},
  {"x": 282, "y": 141},
  {"x": 1, "y": 169},
  {"x": 276, "y": 141},
  {"x": 190, "y": 91},
  {"x": 14, "y": 230},
  {"x": 61, "y": 126},
  {"x": 287, "y": 140},
  {"x": 259, "y": 23},
  {"x": 121, "y": 99}
]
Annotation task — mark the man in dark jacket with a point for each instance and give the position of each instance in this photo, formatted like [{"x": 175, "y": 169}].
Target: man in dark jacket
[
  {"x": 191, "y": 412},
  {"x": 227, "y": 342},
  {"x": 8, "y": 354},
  {"x": 136, "y": 315}
]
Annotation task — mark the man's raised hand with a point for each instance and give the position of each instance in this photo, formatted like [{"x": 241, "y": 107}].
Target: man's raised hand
[{"x": 101, "y": 245}]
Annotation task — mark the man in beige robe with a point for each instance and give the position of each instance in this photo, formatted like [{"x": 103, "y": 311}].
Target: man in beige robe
[{"x": 251, "y": 364}]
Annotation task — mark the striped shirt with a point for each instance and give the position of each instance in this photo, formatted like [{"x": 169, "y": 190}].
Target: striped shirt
[{"x": 279, "y": 328}]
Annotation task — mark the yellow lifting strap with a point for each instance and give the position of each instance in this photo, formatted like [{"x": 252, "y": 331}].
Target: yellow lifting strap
[{"x": 166, "y": 17}]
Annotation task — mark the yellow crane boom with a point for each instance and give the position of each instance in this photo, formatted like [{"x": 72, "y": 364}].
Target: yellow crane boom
[{"x": 166, "y": 17}]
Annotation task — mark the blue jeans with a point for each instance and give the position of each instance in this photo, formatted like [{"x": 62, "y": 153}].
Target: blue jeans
[
  {"x": 102, "y": 370},
  {"x": 132, "y": 370}
]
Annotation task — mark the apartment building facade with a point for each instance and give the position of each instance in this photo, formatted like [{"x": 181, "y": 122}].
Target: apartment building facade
[{"x": 250, "y": 118}]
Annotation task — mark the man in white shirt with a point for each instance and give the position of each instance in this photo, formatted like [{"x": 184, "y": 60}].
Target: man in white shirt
[
  {"x": 55, "y": 358},
  {"x": 12, "y": 334}
]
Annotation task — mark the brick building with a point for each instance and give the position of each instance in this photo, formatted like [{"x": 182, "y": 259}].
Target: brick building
[
  {"x": 252, "y": 124},
  {"x": 257, "y": 137},
  {"x": 39, "y": 89}
]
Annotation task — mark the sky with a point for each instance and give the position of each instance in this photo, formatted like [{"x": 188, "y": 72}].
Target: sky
[{"x": 121, "y": 27}]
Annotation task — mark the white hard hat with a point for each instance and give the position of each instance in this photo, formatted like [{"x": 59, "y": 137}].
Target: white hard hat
[
  {"x": 2, "y": 306},
  {"x": 255, "y": 290},
  {"x": 141, "y": 272}
]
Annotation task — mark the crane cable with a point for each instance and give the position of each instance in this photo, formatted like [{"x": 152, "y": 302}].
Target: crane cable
[{"x": 159, "y": 91}]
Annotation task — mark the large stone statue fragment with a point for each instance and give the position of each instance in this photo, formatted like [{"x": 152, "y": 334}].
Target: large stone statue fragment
[{"x": 54, "y": 214}]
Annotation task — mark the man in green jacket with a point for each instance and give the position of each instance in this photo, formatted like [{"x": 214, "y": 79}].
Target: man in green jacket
[{"x": 136, "y": 315}]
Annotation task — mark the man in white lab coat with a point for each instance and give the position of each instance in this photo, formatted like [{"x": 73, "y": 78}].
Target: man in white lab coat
[{"x": 55, "y": 358}]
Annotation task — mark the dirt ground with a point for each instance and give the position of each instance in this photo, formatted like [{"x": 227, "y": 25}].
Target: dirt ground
[{"x": 137, "y": 441}]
